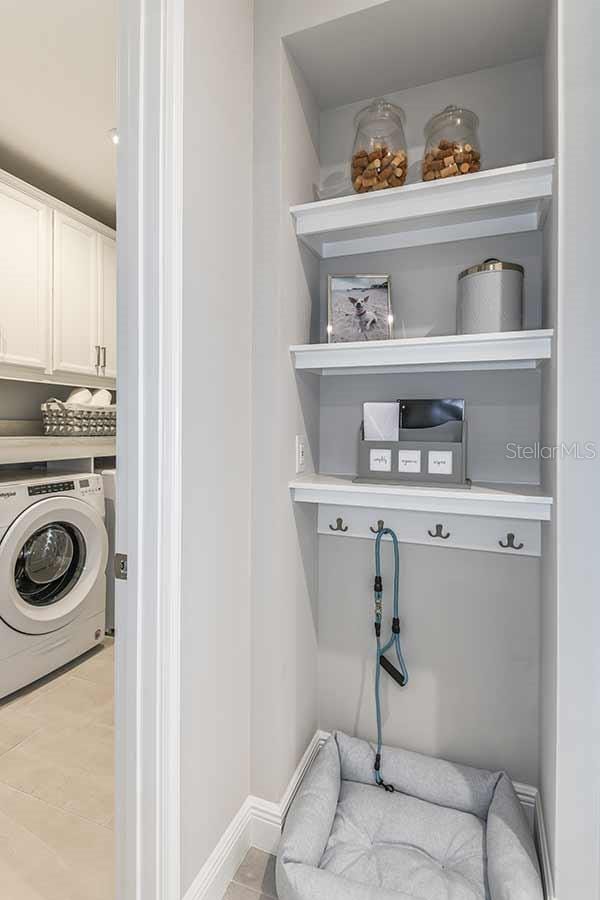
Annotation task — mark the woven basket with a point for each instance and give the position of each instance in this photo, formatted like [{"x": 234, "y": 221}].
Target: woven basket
[{"x": 78, "y": 420}]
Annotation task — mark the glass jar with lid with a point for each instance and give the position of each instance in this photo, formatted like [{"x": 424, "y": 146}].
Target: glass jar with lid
[
  {"x": 452, "y": 144},
  {"x": 379, "y": 155}
]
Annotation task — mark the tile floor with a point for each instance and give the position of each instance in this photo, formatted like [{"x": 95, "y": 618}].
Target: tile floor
[
  {"x": 57, "y": 784},
  {"x": 255, "y": 878},
  {"x": 56, "y": 791}
]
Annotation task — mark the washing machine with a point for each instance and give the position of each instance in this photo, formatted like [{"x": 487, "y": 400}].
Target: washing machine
[{"x": 53, "y": 554}]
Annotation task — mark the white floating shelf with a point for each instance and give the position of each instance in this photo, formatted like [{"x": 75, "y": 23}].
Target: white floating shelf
[
  {"x": 496, "y": 519},
  {"x": 17, "y": 450},
  {"x": 499, "y": 201},
  {"x": 460, "y": 353},
  {"x": 502, "y": 501}
]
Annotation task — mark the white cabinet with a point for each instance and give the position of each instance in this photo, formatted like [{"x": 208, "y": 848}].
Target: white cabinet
[
  {"x": 107, "y": 305},
  {"x": 85, "y": 299},
  {"x": 76, "y": 346},
  {"x": 58, "y": 290},
  {"x": 25, "y": 282}
]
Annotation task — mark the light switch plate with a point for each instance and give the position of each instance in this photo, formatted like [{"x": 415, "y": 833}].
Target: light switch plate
[{"x": 300, "y": 454}]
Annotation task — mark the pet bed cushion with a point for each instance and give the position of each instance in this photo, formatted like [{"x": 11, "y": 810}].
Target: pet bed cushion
[
  {"x": 393, "y": 841},
  {"x": 448, "y": 832}
]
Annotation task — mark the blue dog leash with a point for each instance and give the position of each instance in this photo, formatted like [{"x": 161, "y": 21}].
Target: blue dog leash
[{"x": 400, "y": 674}]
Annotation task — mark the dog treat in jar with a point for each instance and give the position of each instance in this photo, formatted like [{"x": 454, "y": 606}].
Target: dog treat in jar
[
  {"x": 452, "y": 144},
  {"x": 379, "y": 157}
]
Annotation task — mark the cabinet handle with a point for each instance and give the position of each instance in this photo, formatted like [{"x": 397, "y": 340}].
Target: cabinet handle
[
  {"x": 104, "y": 359},
  {"x": 97, "y": 356}
]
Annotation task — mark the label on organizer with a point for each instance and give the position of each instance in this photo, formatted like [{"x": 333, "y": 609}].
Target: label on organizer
[
  {"x": 440, "y": 462},
  {"x": 409, "y": 460},
  {"x": 380, "y": 460}
]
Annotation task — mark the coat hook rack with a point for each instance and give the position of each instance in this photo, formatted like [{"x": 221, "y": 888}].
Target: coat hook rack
[
  {"x": 438, "y": 532},
  {"x": 510, "y": 543},
  {"x": 339, "y": 525},
  {"x": 380, "y": 527}
]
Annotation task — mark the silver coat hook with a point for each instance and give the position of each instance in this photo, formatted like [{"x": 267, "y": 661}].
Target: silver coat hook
[
  {"x": 380, "y": 527},
  {"x": 510, "y": 543},
  {"x": 438, "y": 533},
  {"x": 339, "y": 525}
]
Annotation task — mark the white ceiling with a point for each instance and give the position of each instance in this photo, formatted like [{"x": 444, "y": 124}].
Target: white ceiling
[
  {"x": 405, "y": 43},
  {"x": 58, "y": 99}
]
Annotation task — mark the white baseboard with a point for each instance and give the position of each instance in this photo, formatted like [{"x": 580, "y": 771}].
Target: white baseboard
[
  {"x": 532, "y": 804},
  {"x": 213, "y": 878},
  {"x": 259, "y": 822},
  {"x": 541, "y": 839},
  {"x": 528, "y": 796},
  {"x": 267, "y": 817}
]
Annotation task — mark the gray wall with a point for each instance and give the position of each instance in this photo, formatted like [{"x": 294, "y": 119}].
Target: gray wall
[
  {"x": 502, "y": 407},
  {"x": 424, "y": 280},
  {"x": 217, "y": 311},
  {"x": 470, "y": 631},
  {"x": 22, "y": 399},
  {"x": 506, "y": 98},
  {"x": 471, "y": 620}
]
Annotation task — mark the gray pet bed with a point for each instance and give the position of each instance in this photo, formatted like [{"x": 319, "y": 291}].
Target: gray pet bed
[{"x": 448, "y": 832}]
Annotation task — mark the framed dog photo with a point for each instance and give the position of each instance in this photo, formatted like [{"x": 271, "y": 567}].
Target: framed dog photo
[{"x": 359, "y": 308}]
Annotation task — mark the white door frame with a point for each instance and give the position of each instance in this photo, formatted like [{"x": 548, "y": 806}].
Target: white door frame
[{"x": 149, "y": 201}]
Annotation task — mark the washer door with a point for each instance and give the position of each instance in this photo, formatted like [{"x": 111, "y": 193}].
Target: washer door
[{"x": 50, "y": 559}]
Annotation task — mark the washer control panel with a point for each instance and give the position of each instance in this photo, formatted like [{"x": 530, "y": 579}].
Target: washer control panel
[
  {"x": 56, "y": 487},
  {"x": 92, "y": 484}
]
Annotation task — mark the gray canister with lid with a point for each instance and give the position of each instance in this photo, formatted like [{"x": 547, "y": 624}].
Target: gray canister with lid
[{"x": 490, "y": 298}]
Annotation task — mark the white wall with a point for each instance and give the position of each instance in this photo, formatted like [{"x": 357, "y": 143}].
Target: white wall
[
  {"x": 217, "y": 311},
  {"x": 286, "y": 281},
  {"x": 549, "y": 439},
  {"x": 284, "y": 715},
  {"x": 577, "y": 829}
]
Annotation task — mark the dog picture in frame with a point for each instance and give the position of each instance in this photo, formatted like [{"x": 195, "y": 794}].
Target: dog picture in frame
[{"x": 359, "y": 308}]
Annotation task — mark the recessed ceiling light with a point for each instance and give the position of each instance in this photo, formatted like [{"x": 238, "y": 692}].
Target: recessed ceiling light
[{"x": 114, "y": 135}]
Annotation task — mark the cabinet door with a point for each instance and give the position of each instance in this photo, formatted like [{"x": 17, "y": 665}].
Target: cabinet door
[
  {"x": 25, "y": 283},
  {"x": 76, "y": 338},
  {"x": 107, "y": 304}
]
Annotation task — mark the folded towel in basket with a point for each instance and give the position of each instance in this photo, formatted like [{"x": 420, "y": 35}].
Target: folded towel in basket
[
  {"x": 101, "y": 398},
  {"x": 79, "y": 395}
]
